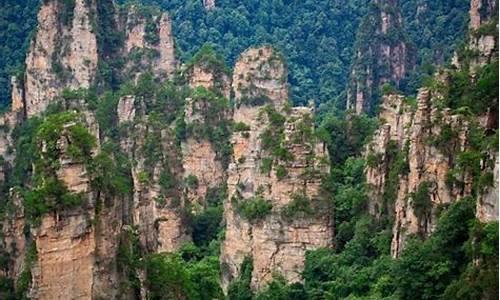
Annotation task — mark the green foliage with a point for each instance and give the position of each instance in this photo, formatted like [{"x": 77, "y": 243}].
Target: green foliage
[
  {"x": 373, "y": 160},
  {"x": 109, "y": 41},
  {"x": 345, "y": 136},
  {"x": 239, "y": 288},
  {"x": 207, "y": 225},
  {"x": 214, "y": 125},
  {"x": 191, "y": 181},
  {"x": 299, "y": 206},
  {"x": 183, "y": 275},
  {"x": 398, "y": 162},
  {"x": 7, "y": 288},
  {"x": 26, "y": 149},
  {"x": 52, "y": 194},
  {"x": 257, "y": 100},
  {"x": 17, "y": 21},
  {"x": 208, "y": 59},
  {"x": 168, "y": 181},
  {"x": 128, "y": 261},
  {"x": 24, "y": 281},
  {"x": 253, "y": 209},
  {"x": 354, "y": 271},
  {"x": 428, "y": 29},
  {"x": 425, "y": 270},
  {"x": 81, "y": 142},
  {"x": 266, "y": 165},
  {"x": 143, "y": 177},
  {"x": 346, "y": 186},
  {"x": 66, "y": 12},
  {"x": 478, "y": 95},
  {"x": 106, "y": 114},
  {"x": 240, "y": 126},
  {"x": 48, "y": 192},
  {"x": 487, "y": 29},
  {"x": 167, "y": 277},
  {"x": 272, "y": 139},
  {"x": 110, "y": 171},
  {"x": 151, "y": 32},
  {"x": 281, "y": 172},
  {"x": 480, "y": 278},
  {"x": 446, "y": 139},
  {"x": 304, "y": 32},
  {"x": 421, "y": 202},
  {"x": 388, "y": 89},
  {"x": 205, "y": 275},
  {"x": 279, "y": 289}
]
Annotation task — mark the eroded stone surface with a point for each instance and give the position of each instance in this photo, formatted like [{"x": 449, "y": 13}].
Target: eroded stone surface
[
  {"x": 61, "y": 55},
  {"x": 274, "y": 243}
]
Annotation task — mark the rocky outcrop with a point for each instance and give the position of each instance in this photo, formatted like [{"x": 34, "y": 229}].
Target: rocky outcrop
[
  {"x": 260, "y": 75},
  {"x": 77, "y": 245},
  {"x": 428, "y": 165},
  {"x": 209, "y": 4},
  {"x": 481, "y": 11},
  {"x": 66, "y": 50},
  {"x": 65, "y": 265},
  {"x": 204, "y": 75},
  {"x": 410, "y": 166},
  {"x": 202, "y": 166},
  {"x": 484, "y": 31},
  {"x": 274, "y": 242},
  {"x": 400, "y": 160},
  {"x": 396, "y": 117},
  {"x": 414, "y": 168},
  {"x": 382, "y": 56},
  {"x": 63, "y": 54},
  {"x": 17, "y": 95},
  {"x": 14, "y": 239},
  {"x": 157, "y": 197},
  {"x": 72, "y": 245},
  {"x": 149, "y": 43},
  {"x": 487, "y": 208}
]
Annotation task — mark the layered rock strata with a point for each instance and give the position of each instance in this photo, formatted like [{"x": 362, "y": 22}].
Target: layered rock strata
[
  {"x": 274, "y": 243},
  {"x": 66, "y": 50},
  {"x": 382, "y": 56}
]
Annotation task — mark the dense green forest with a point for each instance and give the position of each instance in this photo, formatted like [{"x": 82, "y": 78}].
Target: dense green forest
[
  {"x": 17, "y": 20},
  {"x": 316, "y": 37}
]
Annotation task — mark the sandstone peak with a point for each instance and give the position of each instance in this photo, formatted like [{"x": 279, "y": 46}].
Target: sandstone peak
[{"x": 260, "y": 77}]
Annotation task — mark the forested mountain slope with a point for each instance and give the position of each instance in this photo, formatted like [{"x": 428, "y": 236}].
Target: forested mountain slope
[{"x": 317, "y": 38}]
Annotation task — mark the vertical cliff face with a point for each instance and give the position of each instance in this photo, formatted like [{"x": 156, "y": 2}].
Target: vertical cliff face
[
  {"x": 396, "y": 117},
  {"x": 66, "y": 50},
  {"x": 157, "y": 195},
  {"x": 14, "y": 239},
  {"x": 481, "y": 12},
  {"x": 382, "y": 56},
  {"x": 484, "y": 31},
  {"x": 426, "y": 187},
  {"x": 409, "y": 166},
  {"x": 205, "y": 110},
  {"x": 421, "y": 158},
  {"x": 274, "y": 166},
  {"x": 487, "y": 204},
  {"x": 63, "y": 52},
  {"x": 64, "y": 241},
  {"x": 149, "y": 43},
  {"x": 75, "y": 246}
]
